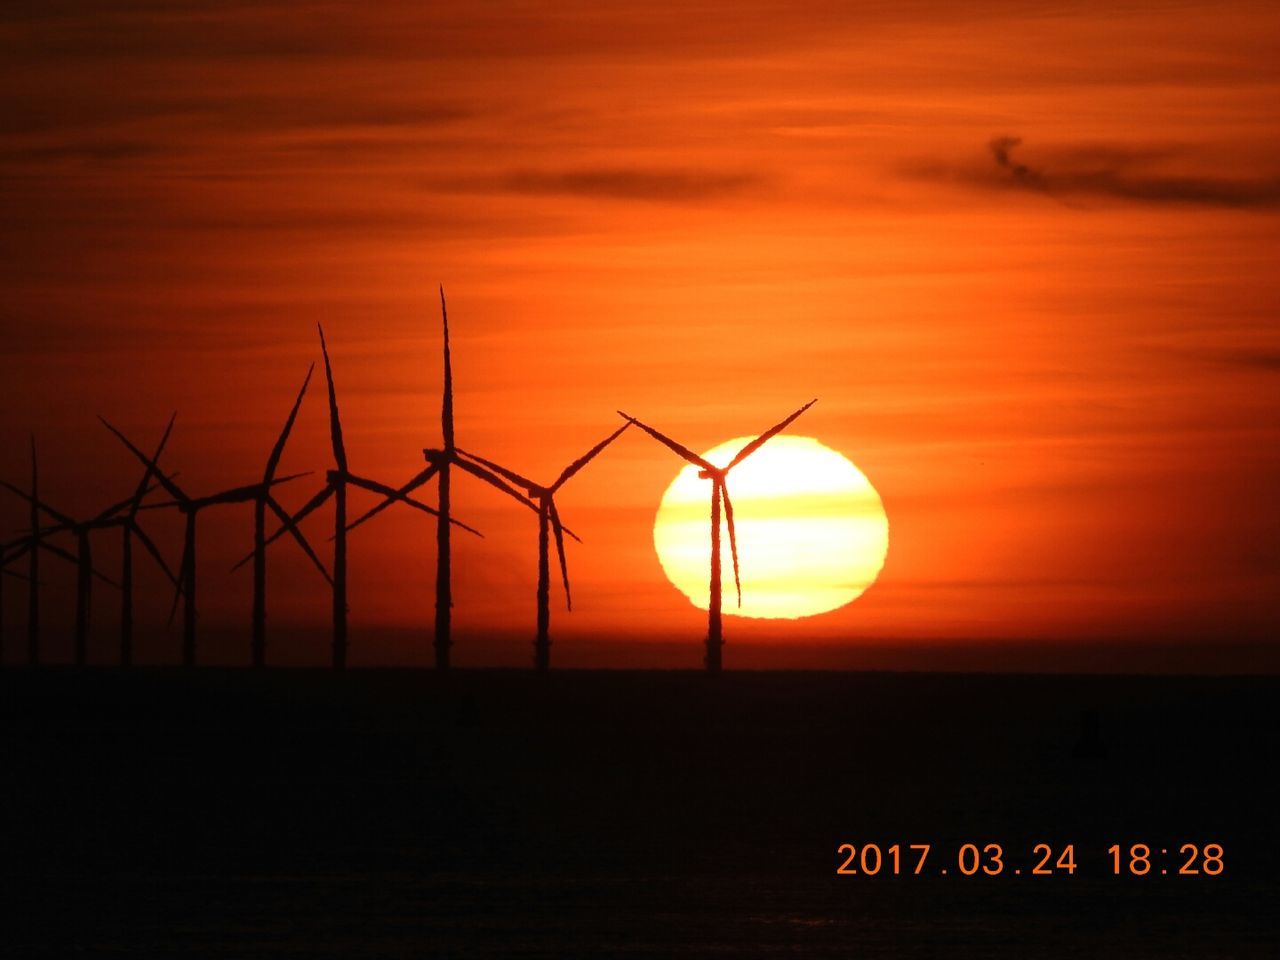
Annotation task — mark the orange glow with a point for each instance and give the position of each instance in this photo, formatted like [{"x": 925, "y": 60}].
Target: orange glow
[{"x": 1057, "y": 358}]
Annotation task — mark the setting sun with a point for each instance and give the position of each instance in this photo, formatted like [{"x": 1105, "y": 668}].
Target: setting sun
[{"x": 812, "y": 531}]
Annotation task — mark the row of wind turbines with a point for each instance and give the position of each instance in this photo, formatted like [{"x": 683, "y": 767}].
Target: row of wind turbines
[{"x": 47, "y": 524}]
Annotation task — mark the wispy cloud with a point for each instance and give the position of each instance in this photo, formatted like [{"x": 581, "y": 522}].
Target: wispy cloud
[
  {"x": 1002, "y": 149},
  {"x": 82, "y": 151},
  {"x": 1257, "y": 359},
  {"x": 1086, "y": 172},
  {"x": 631, "y": 183}
]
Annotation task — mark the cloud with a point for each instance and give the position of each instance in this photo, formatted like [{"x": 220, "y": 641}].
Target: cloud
[
  {"x": 1088, "y": 171},
  {"x": 30, "y": 113},
  {"x": 1001, "y": 148},
  {"x": 1262, "y": 359},
  {"x": 85, "y": 151},
  {"x": 630, "y": 183}
]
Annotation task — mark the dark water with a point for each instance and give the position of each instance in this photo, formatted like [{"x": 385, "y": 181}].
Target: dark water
[{"x": 499, "y": 814}]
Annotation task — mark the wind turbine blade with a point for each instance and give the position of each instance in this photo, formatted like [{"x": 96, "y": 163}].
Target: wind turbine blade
[
  {"x": 242, "y": 494},
  {"x": 234, "y": 495},
  {"x": 164, "y": 505},
  {"x": 20, "y": 550},
  {"x": 493, "y": 481},
  {"x": 143, "y": 487},
  {"x": 759, "y": 441},
  {"x": 73, "y": 559},
  {"x": 288, "y": 523},
  {"x": 400, "y": 494},
  {"x": 109, "y": 514},
  {"x": 61, "y": 518},
  {"x": 276, "y": 451},
  {"x": 446, "y": 405},
  {"x": 502, "y": 471},
  {"x": 57, "y": 551},
  {"x": 587, "y": 457},
  {"x": 682, "y": 451},
  {"x": 335, "y": 422},
  {"x": 311, "y": 505},
  {"x": 558, "y": 529},
  {"x": 173, "y": 607},
  {"x": 373, "y": 486},
  {"x": 151, "y": 548},
  {"x": 733, "y": 537},
  {"x": 172, "y": 488},
  {"x": 315, "y": 503}
]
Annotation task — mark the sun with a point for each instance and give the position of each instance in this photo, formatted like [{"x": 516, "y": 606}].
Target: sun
[{"x": 812, "y": 531}]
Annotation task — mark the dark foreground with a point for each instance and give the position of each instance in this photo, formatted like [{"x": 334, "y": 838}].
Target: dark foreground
[{"x": 649, "y": 814}]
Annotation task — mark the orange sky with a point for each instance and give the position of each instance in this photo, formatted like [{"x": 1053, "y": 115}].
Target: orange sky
[{"x": 1057, "y": 360}]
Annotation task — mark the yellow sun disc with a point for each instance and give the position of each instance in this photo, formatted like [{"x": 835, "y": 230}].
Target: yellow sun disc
[{"x": 812, "y": 532}]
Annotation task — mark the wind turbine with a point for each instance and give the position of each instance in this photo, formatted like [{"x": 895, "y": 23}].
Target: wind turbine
[
  {"x": 440, "y": 464},
  {"x": 130, "y": 528},
  {"x": 122, "y": 515},
  {"x": 190, "y": 508},
  {"x": 5, "y": 559},
  {"x": 548, "y": 521},
  {"x": 259, "y": 494},
  {"x": 336, "y": 483},
  {"x": 31, "y": 545},
  {"x": 719, "y": 493},
  {"x": 85, "y": 572},
  {"x": 261, "y": 501}
]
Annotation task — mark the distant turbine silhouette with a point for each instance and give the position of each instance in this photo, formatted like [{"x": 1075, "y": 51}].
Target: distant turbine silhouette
[
  {"x": 124, "y": 516},
  {"x": 33, "y": 565},
  {"x": 719, "y": 492},
  {"x": 261, "y": 502},
  {"x": 336, "y": 482},
  {"x": 190, "y": 507},
  {"x": 548, "y": 517},
  {"x": 8, "y": 553},
  {"x": 31, "y": 545},
  {"x": 129, "y": 528},
  {"x": 439, "y": 465}
]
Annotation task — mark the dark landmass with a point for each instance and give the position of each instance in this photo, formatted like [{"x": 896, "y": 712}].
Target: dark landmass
[{"x": 276, "y": 813}]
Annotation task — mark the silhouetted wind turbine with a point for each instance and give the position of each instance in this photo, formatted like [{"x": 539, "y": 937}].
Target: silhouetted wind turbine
[
  {"x": 336, "y": 482},
  {"x": 130, "y": 528},
  {"x": 261, "y": 502},
  {"x": 548, "y": 521},
  {"x": 33, "y": 565},
  {"x": 81, "y": 530},
  {"x": 439, "y": 465},
  {"x": 6, "y": 557},
  {"x": 9, "y": 552},
  {"x": 122, "y": 515},
  {"x": 31, "y": 545},
  {"x": 719, "y": 493},
  {"x": 190, "y": 507}
]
